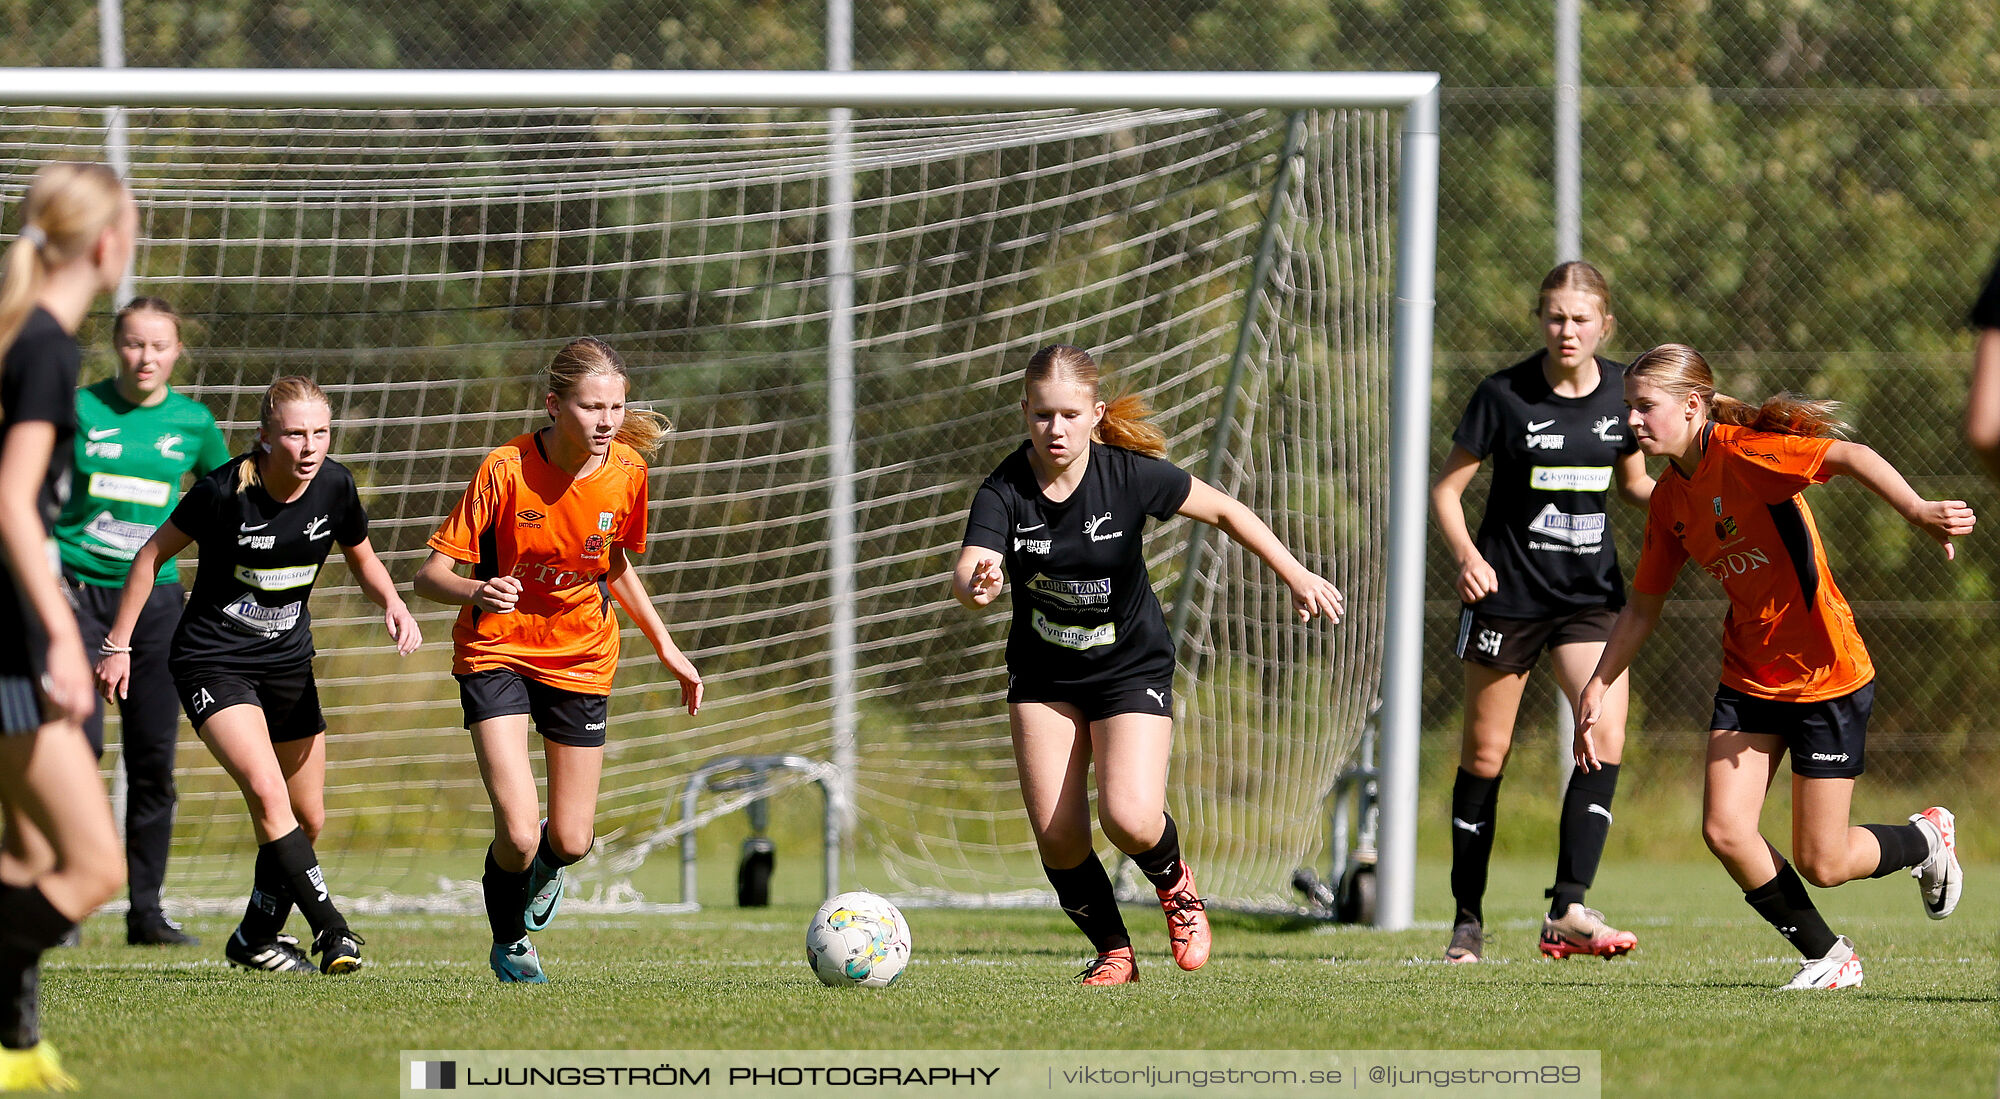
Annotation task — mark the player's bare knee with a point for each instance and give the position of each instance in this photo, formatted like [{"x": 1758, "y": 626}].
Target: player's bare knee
[
  {"x": 1729, "y": 841},
  {"x": 570, "y": 843},
  {"x": 1820, "y": 870},
  {"x": 1063, "y": 849},
  {"x": 517, "y": 844},
  {"x": 1130, "y": 830},
  {"x": 311, "y": 818}
]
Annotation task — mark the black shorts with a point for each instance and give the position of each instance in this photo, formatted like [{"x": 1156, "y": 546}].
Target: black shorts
[
  {"x": 1825, "y": 738},
  {"x": 288, "y": 696},
  {"x": 1148, "y": 695},
  {"x": 1515, "y": 644},
  {"x": 21, "y": 704},
  {"x": 565, "y": 717}
]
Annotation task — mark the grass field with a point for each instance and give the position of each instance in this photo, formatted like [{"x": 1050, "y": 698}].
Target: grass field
[{"x": 1693, "y": 1012}]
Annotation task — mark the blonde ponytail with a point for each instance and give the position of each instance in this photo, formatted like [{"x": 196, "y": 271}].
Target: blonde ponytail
[
  {"x": 1127, "y": 422},
  {"x": 1677, "y": 370},
  {"x": 68, "y": 206}
]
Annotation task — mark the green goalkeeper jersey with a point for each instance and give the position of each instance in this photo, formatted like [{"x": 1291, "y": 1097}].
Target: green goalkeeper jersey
[{"x": 129, "y": 463}]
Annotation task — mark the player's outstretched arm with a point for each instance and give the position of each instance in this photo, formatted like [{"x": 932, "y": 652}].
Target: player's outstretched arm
[
  {"x": 1311, "y": 594},
  {"x": 381, "y": 590},
  {"x": 1635, "y": 624},
  {"x": 976, "y": 580},
  {"x": 437, "y": 582},
  {"x": 1943, "y": 520},
  {"x": 114, "y": 666},
  {"x": 630, "y": 592}
]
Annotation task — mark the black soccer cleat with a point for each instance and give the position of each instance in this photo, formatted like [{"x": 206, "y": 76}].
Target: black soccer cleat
[
  {"x": 281, "y": 955},
  {"x": 155, "y": 929},
  {"x": 339, "y": 950}
]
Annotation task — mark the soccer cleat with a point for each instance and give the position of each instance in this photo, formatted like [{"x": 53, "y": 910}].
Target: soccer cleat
[
  {"x": 1583, "y": 931},
  {"x": 1939, "y": 877},
  {"x": 36, "y": 1068},
  {"x": 517, "y": 963},
  {"x": 1841, "y": 968},
  {"x": 339, "y": 950},
  {"x": 155, "y": 929},
  {"x": 1118, "y": 967},
  {"x": 282, "y": 955},
  {"x": 1468, "y": 941},
  {"x": 1187, "y": 920},
  {"x": 545, "y": 893}
]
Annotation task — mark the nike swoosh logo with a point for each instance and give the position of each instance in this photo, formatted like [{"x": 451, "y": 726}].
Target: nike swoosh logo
[
  {"x": 1532, "y": 426},
  {"x": 246, "y": 528},
  {"x": 1019, "y": 529},
  {"x": 97, "y": 433}
]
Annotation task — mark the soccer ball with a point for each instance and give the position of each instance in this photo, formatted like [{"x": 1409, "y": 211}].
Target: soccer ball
[{"x": 858, "y": 938}]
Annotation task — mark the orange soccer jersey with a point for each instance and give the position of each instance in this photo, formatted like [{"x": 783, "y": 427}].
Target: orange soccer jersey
[
  {"x": 524, "y": 518},
  {"x": 1790, "y": 635}
]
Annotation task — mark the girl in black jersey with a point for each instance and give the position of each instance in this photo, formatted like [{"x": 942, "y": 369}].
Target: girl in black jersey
[
  {"x": 59, "y": 857},
  {"x": 1090, "y": 663},
  {"x": 242, "y": 655},
  {"x": 1543, "y": 574}
]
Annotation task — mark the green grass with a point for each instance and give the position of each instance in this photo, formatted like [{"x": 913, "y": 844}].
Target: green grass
[{"x": 1693, "y": 1012}]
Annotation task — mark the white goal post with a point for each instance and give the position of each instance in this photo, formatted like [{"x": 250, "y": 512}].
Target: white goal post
[{"x": 1394, "y": 606}]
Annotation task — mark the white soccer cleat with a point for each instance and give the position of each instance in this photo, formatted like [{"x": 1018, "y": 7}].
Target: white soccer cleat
[
  {"x": 1841, "y": 968},
  {"x": 1939, "y": 878}
]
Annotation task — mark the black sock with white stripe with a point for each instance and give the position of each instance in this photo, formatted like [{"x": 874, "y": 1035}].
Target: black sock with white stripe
[
  {"x": 1084, "y": 890},
  {"x": 1785, "y": 905},
  {"x": 1162, "y": 862},
  {"x": 300, "y": 866},
  {"x": 1586, "y": 821},
  {"x": 1473, "y": 801}
]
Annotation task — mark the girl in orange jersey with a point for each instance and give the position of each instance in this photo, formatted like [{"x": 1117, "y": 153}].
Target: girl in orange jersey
[
  {"x": 1795, "y": 675},
  {"x": 546, "y": 525}
]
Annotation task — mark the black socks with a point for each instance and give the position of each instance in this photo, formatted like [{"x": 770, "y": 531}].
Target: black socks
[
  {"x": 270, "y": 902},
  {"x": 1785, "y": 905},
  {"x": 506, "y": 900},
  {"x": 1084, "y": 890},
  {"x": 1586, "y": 820},
  {"x": 1162, "y": 862},
  {"x": 1903, "y": 846},
  {"x": 1472, "y": 811},
  {"x": 29, "y": 924},
  {"x": 298, "y": 868}
]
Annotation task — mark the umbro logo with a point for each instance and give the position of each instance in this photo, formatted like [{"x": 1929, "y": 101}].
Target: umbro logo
[{"x": 529, "y": 518}]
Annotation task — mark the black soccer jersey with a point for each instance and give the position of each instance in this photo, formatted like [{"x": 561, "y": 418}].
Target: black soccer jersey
[
  {"x": 259, "y": 559},
  {"x": 1986, "y": 311},
  {"x": 37, "y": 385},
  {"x": 1545, "y": 528},
  {"x": 1084, "y": 609}
]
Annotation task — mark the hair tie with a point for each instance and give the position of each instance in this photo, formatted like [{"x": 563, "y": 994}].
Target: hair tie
[{"x": 34, "y": 235}]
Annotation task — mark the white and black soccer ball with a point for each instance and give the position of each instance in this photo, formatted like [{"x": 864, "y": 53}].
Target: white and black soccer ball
[{"x": 858, "y": 938}]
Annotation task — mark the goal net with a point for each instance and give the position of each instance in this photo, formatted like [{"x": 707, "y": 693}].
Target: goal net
[{"x": 423, "y": 265}]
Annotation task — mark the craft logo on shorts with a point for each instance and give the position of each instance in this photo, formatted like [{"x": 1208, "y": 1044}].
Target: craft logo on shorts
[
  {"x": 604, "y": 521},
  {"x": 593, "y": 546},
  {"x": 529, "y": 518}
]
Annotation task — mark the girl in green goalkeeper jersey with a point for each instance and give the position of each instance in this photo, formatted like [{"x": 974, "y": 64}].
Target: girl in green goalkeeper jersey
[{"x": 136, "y": 440}]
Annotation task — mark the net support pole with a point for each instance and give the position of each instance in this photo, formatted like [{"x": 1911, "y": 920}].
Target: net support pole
[
  {"x": 117, "y": 152},
  {"x": 1246, "y": 328},
  {"x": 840, "y": 412},
  {"x": 1569, "y": 131},
  {"x": 1409, "y": 471}
]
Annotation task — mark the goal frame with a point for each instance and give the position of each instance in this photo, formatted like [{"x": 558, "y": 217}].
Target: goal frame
[{"x": 1414, "y": 94}]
